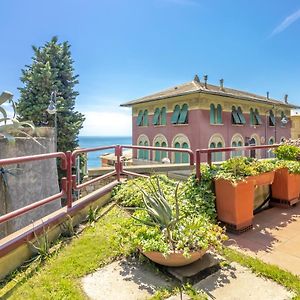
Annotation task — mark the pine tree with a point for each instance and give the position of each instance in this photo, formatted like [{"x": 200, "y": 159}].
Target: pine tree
[{"x": 51, "y": 70}]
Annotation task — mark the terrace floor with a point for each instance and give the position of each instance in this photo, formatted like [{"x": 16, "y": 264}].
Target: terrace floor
[{"x": 275, "y": 238}]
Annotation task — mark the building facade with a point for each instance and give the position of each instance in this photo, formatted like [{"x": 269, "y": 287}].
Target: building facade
[{"x": 199, "y": 115}]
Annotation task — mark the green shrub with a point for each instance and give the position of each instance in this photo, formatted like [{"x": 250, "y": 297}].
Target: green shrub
[
  {"x": 292, "y": 166},
  {"x": 238, "y": 168},
  {"x": 287, "y": 152}
]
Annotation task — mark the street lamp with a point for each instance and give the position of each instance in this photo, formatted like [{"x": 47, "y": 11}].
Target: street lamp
[{"x": 52, "y": 110}]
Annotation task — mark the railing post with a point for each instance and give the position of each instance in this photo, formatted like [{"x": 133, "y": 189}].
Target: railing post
[
  {"x": 69, "y": 179},
  {"x": 198, "y": 170},
  {"x": 118, "y": 162},
  {"x": 209, "y": 157}
]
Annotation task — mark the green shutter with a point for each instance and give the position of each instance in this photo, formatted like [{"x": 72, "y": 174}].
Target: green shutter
[
  {"x": 252, "y": 117},
  {"x": 146, "y": 152},
  {"x": 157, "y": 152},
  {"x": 212, "y": 114},
  {"x": 241, "y": 116},
  {"x": 163, "y": 153},
  {"x": 233, "y": 153},
  {"x": 139, "y": 118},
  {"x": 271, "y": 118},
  {"x": 257, "y": 117},
  {"x": 175, "y": 116},
  {"x": 177, "y": 154},
  {"x": 155, "y": 120},
  {"x": 219, "y": 154},
  {"x": 235, "y": 117},
  {"x": 219, "y": 114},
  {"x": 183, "y": 117},
  {"x": 145, "y": 118},
  {"x": 140, "y": 151},
  {"x": 185, "y": 156},
  {"x": 163, "y": 116}
]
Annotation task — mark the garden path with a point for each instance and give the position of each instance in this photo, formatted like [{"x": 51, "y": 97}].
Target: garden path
[{"x": 275, "y": 238}]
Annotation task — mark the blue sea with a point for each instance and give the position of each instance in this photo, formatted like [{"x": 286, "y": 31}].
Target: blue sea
[{"x": 98, "y": 141}]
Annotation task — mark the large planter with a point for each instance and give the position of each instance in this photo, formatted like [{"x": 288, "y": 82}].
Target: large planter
[
  {"x": 286, "y": 186},
  {"x": 234, "y": 203},
  {"x": 263, "y": 178},
  {"x": 175, "y": 259}
]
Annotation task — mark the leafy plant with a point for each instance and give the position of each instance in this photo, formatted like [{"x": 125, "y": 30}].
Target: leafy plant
[
  {"x": 92, "y": 216},
  {"x": 292, "y": 166},
  {"x": 67, "y": 227},
  {"x": 166, "y": 225},
  {"x": 287, "y": 152},
  {"x": 238, "y": 168},
  {"x": 42, "y": 245},
  {"x": 11, "y": 126}
]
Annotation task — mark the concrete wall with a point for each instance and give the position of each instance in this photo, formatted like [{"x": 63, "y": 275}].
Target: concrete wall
[{"x": 26, "y": 183}]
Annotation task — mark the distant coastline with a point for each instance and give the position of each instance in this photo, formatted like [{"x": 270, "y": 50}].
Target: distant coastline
[{"x": 98, "y": 141}]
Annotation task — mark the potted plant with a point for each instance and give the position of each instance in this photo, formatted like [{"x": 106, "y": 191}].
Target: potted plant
[
  {"x": 235, "y": 182},
  {"x": 286, "y": 185},
  {"x": 167, "y": 234}
]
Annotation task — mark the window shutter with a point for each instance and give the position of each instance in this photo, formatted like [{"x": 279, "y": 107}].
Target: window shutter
[
  {"x": 219, "y": 114},
  {"x": 235, "y": 117},
  {"x": 145, "y": 118},
  {"x": 163, "y": 116},
  {"x": 175, "y": 115},
  {"x": 257, "y": 117},
  {"x": 183, "y": 117},
  {"x": 271, "y": 119},
  {"x": 163, "y": 153},
  {"x": 177, "y": 154},
  {"x": 139, "y": 118},
  {"x": 157, "y": 152},
  {"x": 155, "y": 120},
  {"x": 212, "y": 114},
  {"x": 241, "y": 116}
]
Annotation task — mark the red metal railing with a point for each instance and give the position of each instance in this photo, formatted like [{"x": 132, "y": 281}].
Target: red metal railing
[
  {"x": 166, "y": 149},
  {"x": 25, "y": 159},
  {"x": 209, "y": 152}
]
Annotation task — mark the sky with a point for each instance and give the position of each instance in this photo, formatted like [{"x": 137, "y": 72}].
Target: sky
[{"x": 126, "y": 49}]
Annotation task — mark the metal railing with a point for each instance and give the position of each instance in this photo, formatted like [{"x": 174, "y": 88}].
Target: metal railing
[
  {"x": 210, "y": 151},
  {"x": 26, "y": 159}
]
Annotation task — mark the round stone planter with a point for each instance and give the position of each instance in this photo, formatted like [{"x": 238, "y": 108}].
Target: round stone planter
[{"x": 176, "y": 259}]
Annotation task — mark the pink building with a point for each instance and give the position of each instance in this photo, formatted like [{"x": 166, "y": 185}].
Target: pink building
[{"x": 200, "y": 115}]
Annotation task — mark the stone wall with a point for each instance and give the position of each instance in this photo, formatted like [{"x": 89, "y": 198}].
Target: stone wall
[{"x": 26, "y": 183}]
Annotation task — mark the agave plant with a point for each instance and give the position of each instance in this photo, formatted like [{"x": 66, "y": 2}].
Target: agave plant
[
  {"x": 159, "y": 209},
  {"x": 12, "y": 126}
]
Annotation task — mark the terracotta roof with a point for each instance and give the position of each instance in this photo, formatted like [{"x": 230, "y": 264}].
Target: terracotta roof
[{"x": 193, "y": 87}]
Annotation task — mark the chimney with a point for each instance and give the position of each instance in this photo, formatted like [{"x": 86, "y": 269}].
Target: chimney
[
  {"x": 222, "y": 84},
  {"x": 205, "y": 80},
  {"x": 268, "y": 95},
  {"x": 196, "y": 78},
  {"x": 286, "y": 98}
]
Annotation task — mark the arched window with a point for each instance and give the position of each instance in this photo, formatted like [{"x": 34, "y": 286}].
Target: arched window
[
  {"x": 181, "y": 141},
  {"x": 155, "y": 120},
  {"x": 217, "y": 141},
  {"x": 143, "y": 141},
  {"x": 180, "y": 115},
  {"x": 219, "y": 114},
  {"x": 157, "y": 153},
  {"x": 177, "y": 154},
  {"x": 237, "y": 141},
  {"x": 139, "y": 119},
  {"x": 163, "y": 116},
  {"x": 140, "y": 151},
  {"x": 270, "y": 152},
  {"x": 163, "y": 153}
]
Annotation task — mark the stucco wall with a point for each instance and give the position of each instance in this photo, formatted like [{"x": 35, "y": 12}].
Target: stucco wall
[
  {"x": 27, "y": 183},
  {"x": 199, "y": 130}
]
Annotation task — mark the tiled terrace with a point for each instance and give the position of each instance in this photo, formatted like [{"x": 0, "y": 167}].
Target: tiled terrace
[{"x": 275, "y": 238}]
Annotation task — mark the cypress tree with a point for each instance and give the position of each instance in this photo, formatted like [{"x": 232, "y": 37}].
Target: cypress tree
[{"x": 51, "y": 70}]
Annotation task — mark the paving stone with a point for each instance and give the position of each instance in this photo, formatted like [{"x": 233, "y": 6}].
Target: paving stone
[
  {"x": 124, "y": 280},
  {"x": 207, "y": 261},
  {"x": 236, "y": 282}
]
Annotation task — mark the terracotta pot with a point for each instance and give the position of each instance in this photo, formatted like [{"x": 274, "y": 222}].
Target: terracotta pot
[
  {"x": 176, "y": 259},
  {"x": 234, "y": 202},
  {"x": 285, "y": 186},
  {"x": 264, "y": 178}
]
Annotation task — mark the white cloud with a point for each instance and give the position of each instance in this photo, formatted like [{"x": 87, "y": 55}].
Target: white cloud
[
  {"x": 288, "y": 21},
  {"x": 107, "y": 123}
]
